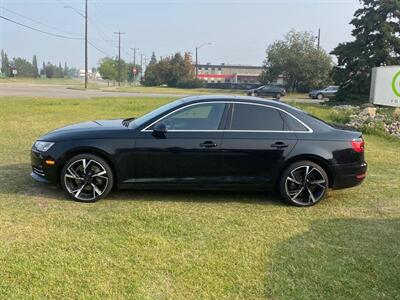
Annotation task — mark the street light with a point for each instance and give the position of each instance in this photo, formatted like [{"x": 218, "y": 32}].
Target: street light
[
  {"x": 85, "y": 16},
  {"x": 197, "y": 48}
]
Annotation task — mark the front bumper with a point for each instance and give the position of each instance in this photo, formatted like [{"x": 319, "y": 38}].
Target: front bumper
[
  {"x": 41, "y": 171},
  {"x": 348, "y": 175}
]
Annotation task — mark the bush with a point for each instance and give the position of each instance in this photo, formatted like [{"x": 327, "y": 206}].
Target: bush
[{"x": 190, "y": 84}]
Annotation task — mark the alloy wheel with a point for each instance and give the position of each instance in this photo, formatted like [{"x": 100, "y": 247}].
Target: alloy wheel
[
  {"x": 305, "y": 185},
  {"x": 86, "y": 179}
]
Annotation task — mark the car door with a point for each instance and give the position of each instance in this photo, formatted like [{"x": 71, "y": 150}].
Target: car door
[
  {"x": 330, "y": 92},
  {"x": 188, "y": 152},
  {"x": 254, "y": 145},
  {"x": 266, "y": 90}
]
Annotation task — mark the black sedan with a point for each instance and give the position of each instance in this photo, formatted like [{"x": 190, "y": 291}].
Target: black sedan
[
  {"x": 267, "y": 90},
  {"x": 205, "y": 142}
]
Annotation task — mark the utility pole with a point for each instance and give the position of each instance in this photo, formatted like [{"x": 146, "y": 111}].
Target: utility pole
[
  {"x": 196, "y": 64},
  {"x": 86, "y": 44},
  {"x": 197, "y": 48},
  {"x": 85, "y": 16},
  {"x": 141, "y": 65},
  {"x": 319, "y": 37},
  {"x": 134, "y": 62},
  {"x": 119, "y": 56}
]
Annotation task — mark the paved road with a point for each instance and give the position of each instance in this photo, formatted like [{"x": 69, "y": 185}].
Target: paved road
[{"x": 62, "y": 91}]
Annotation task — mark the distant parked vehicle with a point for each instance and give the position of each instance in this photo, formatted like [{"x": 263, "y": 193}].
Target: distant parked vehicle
[
  {"x": 267, "y": 90},
  {"x": 328, "y": 92}
]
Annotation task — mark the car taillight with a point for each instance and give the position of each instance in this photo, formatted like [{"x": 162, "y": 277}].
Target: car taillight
[{"x": 358, "y": 144}]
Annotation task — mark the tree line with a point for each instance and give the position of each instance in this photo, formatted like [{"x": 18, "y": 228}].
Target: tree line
[
  {"x": 20, "y": 67},
  {"x": 376, "y": 43},
  {"x": 302, "y": 63}
]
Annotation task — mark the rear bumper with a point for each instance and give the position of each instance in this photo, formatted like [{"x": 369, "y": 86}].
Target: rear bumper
[{"x": 348, "y": 175}]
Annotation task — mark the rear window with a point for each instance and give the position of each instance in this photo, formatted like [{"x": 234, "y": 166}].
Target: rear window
[{"x": 256, "y": 117}]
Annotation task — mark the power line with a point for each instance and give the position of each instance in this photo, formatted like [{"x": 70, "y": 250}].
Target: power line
[
  {"x": 37, "y": 22},
  {"x": 42, "y": 31},
  {"x": 54, "y": 34},
  {"x": 98, "y": 49}
]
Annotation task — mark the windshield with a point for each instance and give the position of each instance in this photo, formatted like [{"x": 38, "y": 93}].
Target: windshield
[{"x": 147, "y": 117}]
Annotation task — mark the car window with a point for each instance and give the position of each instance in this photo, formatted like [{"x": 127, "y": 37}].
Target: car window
[
  {"x": 196, "y": 117},
  {"x": 292, "y": 124},
  {"x": 255, "y": 117}
]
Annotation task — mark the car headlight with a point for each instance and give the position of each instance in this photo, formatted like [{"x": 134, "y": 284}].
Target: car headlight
[{"x": 43, "y": 146}]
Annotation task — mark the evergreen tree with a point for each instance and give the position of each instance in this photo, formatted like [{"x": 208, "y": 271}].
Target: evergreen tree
[
  {"x": 43, "y": 71},
  {"x": 376, "y": 43},
  {"x": 5, "y": 64},
  {"x": 66, "y": 70},
  {"x": 153, "y": 59},
  {"x": 35, "y": 67}
]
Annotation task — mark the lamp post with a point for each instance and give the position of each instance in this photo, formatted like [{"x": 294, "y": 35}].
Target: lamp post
[{"x": 197, "y": 49}]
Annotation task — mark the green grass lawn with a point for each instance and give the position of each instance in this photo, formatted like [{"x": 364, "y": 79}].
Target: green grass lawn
[{"x": 189, "y": 245}]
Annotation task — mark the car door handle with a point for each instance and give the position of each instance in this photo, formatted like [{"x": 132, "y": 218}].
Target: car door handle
[
  {"x": 208, "y": 144},
  {"x": 279, "y": 145}
]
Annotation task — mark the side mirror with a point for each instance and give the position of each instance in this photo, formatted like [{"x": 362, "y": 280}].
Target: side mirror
[{"x": 160, "y": 129}]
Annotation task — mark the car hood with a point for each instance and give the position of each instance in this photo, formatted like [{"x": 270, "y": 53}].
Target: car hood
[
  {"x": 90, "y": 129},
  {"x": 93, "y": 125}
]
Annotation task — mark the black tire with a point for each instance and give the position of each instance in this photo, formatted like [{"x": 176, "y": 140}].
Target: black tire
[
  {"x": 320, "y": 96},
  {"x": 303, "y": 189},
  {"x": 87, "y": 178},
  {"x": 256, "y": 94},
  {"x": 278, "y": 96}
]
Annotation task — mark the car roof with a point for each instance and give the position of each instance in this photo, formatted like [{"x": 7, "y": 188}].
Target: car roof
[{"x": 236, "y": 98}]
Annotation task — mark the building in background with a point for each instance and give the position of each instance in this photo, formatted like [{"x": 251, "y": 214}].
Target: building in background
[
  {"x": 231, "y": 76},
  {"x": 229, "y": 73}
]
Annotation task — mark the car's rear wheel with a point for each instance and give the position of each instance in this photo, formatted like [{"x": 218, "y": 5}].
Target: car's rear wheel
[
  {"x": 320, "y": 96},
  {"x": 87, "y": 178},
  {"x": 303, "y": 183}
]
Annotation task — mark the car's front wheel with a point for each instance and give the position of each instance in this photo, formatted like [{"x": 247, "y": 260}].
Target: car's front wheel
[
  {"x": 87, "y": 178},
  {"x": 303, "y": 183},
  {"x": 320, "y": 96},
  {"x": 278, "y": 96}
]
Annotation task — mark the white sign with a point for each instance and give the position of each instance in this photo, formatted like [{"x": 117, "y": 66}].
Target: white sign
[{"x": 385, "y": 86}]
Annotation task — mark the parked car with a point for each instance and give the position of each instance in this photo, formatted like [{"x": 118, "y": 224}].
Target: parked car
[
  {"x": 328, "y": 92},
  {"x": 267, "y": 90},
  {"x": 204, "y": 142}
]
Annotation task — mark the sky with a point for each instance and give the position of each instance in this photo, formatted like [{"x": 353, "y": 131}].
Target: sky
[{"x": 239, "y": 31}]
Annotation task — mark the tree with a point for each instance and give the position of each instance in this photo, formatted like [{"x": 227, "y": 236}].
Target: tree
[
  {"x": 24, "y": 67},
  {"x": 59, "y": 72},
  {"x": 43, "y": 70},
  {"x": 49, "y": 70},
  {"x": 298, "y": 59},
  {"x": 376, "y": 43},
  {"x": 153, "y": 59},
  {"x": 35, "y": 67},
  {"x": 5, "y": 64},
  {"x": 175, "y": 71},
  {"x": 108, "y": 68},
  {"x": 66, "y": 70}
]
